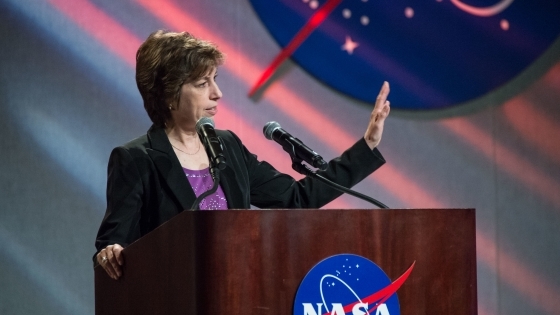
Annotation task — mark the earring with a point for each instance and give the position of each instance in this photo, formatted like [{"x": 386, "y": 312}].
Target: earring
[{"x": 170, "y": 107}]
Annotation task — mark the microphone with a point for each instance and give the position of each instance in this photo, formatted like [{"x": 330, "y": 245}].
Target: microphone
[
  {"x": 212, "y": 144},
  {"x": 294, "y": 146}
]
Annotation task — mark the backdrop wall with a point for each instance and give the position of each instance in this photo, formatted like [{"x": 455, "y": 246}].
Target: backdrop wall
[{"x": 68, "y": 96}]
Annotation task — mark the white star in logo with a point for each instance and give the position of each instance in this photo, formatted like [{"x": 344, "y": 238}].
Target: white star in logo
[{"x": 349, "y": 45}]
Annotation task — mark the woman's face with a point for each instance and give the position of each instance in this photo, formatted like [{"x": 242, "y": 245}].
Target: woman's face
[{"x": 198, "y": 99}]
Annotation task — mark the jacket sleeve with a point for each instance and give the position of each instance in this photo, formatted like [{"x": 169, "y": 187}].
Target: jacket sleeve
[
  {"x": 121, "y": 223},
  {"x": 272, "y": 189}
]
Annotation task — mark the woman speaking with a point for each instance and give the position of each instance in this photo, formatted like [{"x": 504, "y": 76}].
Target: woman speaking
[{"x": 158, "y": 175}]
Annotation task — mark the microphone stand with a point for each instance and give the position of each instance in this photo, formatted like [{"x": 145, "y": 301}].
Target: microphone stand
[
  {"x": 303, "y": 169},
  {"x": 215, "y": 171}
]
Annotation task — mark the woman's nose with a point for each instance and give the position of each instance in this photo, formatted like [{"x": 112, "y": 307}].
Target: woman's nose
[{"x": 216, "y": 92}]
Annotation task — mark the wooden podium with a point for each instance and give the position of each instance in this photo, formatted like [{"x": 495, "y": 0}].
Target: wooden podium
[{"x": 252, "y": 261}]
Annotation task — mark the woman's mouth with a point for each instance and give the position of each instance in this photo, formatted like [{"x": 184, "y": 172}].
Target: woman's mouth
[{"x": 212, "y": 110}]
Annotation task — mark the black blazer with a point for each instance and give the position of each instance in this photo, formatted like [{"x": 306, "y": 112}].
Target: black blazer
[{"x": 146, "y": 185}]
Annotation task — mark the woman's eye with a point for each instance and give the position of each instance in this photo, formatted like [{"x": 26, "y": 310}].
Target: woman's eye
[{"x": 202, "y": 84}]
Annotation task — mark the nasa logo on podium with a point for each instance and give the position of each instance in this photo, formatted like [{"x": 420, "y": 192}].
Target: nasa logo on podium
[{"x": 348, "y": 284}]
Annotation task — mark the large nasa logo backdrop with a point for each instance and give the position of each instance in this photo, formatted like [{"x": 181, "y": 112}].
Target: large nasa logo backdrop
[{"x": 435, "y": 53}]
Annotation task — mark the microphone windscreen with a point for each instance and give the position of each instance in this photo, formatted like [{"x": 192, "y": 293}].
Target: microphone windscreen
[
  {"x": 269, "y": 128},
  {"x": 204, "y": 121}
]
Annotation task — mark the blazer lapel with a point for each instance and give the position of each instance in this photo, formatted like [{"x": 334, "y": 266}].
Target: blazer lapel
[
  {"x": 231, "y": 189},
  {"x": 169, "y": 167},
  {"x": 230, "y": 186}
]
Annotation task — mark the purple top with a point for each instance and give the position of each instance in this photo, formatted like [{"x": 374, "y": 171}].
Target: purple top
[{"x": 201, "y": 181}]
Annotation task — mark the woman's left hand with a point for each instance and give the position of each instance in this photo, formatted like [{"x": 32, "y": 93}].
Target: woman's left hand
[{"x": 377, "y": 119}]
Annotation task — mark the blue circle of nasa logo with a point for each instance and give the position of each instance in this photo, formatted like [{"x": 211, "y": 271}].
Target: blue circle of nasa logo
[
  {"x": 347, "y": 284},
  {"x": 436, "y": 54}
]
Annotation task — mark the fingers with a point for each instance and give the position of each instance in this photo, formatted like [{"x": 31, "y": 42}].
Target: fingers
[
  {"x": 381, "y": 99},
  {"x": 111, "y": 259},
  {"x": 112, "y": 262},
  {"x": 117, "y": 250},
  {"x": 104, "y": 262},
  {"x": 384, "y": 112},
  {"x": 382, "y": 105},
  {"x": 380, "y": 111}
]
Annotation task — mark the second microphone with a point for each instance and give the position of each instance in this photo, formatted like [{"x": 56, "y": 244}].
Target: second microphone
[{"x": 294, "y": 146}]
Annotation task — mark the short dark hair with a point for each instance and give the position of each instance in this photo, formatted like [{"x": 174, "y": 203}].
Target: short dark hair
[{"x": 166, "y": 61}]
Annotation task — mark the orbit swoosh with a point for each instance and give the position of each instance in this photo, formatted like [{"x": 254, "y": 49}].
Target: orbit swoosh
[
  {"x": 382, "y": 295},
  {"x": 485, "y": 11}
]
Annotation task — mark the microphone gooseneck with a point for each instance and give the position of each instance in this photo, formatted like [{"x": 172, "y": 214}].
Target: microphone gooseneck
[
  {"x": 213, "y": 189},
  {"x": 212, "y": 144},
  {"x": 300, "y": 152}
]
